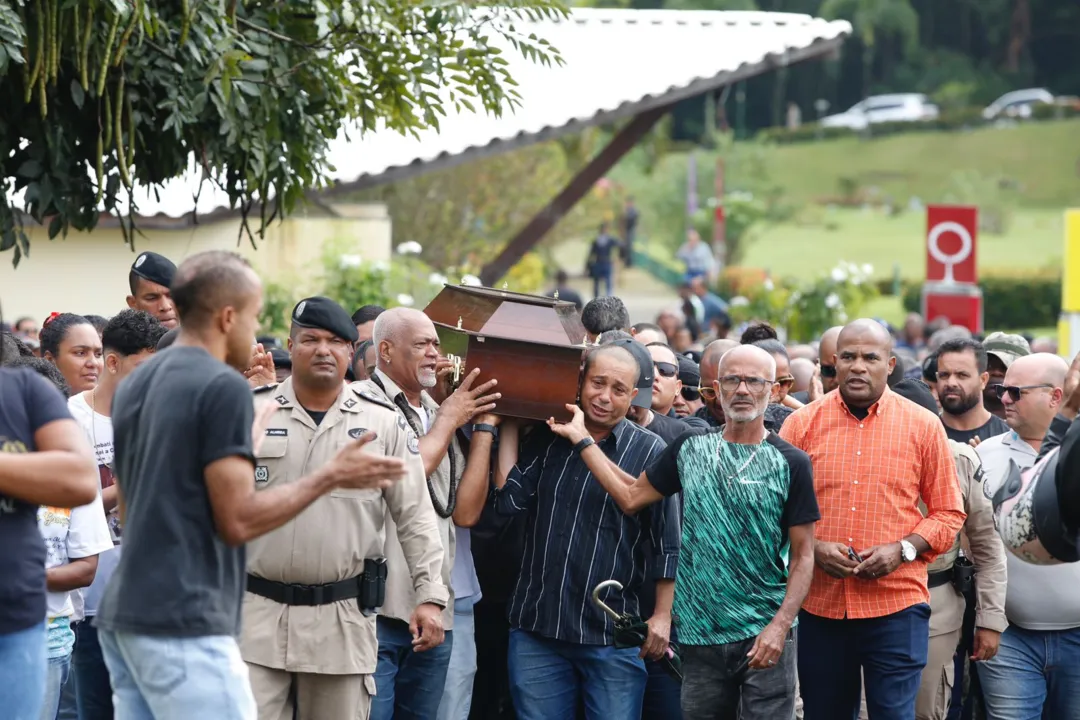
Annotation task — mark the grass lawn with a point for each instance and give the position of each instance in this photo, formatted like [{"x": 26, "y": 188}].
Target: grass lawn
[
  {"x": 1042, "y": 158},
  {"x": 1035, "y": 240}
]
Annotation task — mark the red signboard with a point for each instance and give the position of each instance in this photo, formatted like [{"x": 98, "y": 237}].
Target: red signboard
[
  {"x": 951, "y": 237},
  {"x": 961, "y": 304}
]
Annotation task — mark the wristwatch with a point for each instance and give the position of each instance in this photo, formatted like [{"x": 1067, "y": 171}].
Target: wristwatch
[
  {"x": 584, "y": 443},
  {"x": 907, "y": 551},
  {"x": 485, "y": 427}
]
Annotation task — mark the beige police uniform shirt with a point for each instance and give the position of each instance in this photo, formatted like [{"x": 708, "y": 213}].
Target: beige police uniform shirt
[
  {"x": 987, "y": 554},
  {"x": 330, "y": 540},
  {"x": 400, "y": 597}
]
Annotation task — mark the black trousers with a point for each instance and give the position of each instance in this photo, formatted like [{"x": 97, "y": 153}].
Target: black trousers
[{"x": 491, "y": 688}]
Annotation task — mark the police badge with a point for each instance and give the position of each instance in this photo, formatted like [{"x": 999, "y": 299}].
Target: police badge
[
  {"x": 262, "y": 474},
  {"x": 413, "y": 443},
  {"x": 355, "y": 433}
]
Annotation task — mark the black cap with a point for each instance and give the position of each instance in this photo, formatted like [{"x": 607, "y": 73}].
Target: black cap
[
  {"x": 281, "y": 357},
  {"x": 643, "y": 399},
  {"x": 917, "y": 392},
  {"x": 689, "y": 372},
  {"x": 167, "y": 339},
  {"x": 155, "y": 268},
  {"x": 322, "y": 313}
]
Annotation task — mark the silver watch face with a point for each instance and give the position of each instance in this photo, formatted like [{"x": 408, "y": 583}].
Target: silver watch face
[{"x": 908, "y": 551}]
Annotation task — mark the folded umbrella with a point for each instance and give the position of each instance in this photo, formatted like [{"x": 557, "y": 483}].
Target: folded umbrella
[{"x": 631, "y": 631}]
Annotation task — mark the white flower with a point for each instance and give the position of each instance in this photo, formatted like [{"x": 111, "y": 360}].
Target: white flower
[
  {"x": 867, "y": 269},
  {"x": 437, "y": 279},
  {"x": 768, "y": 284},
  {"x": 405, "y": 300},
  {"x": 409, "y": 248},
  {"x": 380, "y": 266},
  {"x": 350, "y": 261},
  {"x": 841, "y": 316},
  {"x": 832, "y": 301},
  {"x": 839, "y": 274},
  {"x": 471, "y": 280},
  {"x": 795, "y": 297},
  {"x": 738, "y": 301}
]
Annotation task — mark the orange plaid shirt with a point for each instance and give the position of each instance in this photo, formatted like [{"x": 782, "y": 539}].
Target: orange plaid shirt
[{"x": 869, "y": 475}]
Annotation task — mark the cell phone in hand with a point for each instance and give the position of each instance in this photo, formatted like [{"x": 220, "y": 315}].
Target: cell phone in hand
[{"x": 854, "y": 555}]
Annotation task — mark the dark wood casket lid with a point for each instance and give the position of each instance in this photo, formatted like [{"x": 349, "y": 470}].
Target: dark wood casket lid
[{"x": 505, "y": 314}]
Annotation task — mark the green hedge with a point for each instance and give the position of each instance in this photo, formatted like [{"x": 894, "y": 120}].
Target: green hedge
[
  {"x": 1010, "y": 303},
  {"x": 949, "y": 121}
]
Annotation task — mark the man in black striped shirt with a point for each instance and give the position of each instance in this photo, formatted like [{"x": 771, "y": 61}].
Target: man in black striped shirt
[{"x": 561, "y": 645}]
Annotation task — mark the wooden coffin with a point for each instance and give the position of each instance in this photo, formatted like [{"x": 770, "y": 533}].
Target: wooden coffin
[{"x": 532, "y": 345}]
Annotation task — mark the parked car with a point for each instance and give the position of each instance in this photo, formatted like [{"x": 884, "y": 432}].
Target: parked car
[
  {"x": 903, "y": 107},
  {"x": 1018, "y": 103}
]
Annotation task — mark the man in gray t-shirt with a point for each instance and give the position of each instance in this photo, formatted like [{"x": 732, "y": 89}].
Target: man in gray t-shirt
[{"x": 183, "y": 428}]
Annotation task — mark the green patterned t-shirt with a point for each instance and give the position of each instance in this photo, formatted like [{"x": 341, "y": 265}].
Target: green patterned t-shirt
[{"x": 738, "y": 503}]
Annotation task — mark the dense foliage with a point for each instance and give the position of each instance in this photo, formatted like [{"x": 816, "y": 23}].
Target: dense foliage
[
  {"x": 1031, "y": 300},
  {"x": 98, "y": 96}
]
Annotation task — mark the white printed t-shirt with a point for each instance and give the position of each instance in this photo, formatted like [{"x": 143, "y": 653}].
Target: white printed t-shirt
[{"x": 71, "y": 534}]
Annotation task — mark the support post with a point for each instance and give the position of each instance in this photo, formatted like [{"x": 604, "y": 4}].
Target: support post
[
  {"x": 1069, "y": 324},
  {"x": 576, "y": 189}
]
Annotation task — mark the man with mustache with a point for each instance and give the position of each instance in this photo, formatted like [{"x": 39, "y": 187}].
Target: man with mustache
[{"x": 961, "y": 382}]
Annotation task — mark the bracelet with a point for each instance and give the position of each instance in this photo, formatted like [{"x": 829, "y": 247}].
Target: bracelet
[
  {"x": 584, "y": 443},
  {"x": 485, "y": 427}
]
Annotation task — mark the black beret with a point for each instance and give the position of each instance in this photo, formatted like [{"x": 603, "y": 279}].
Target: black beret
[
  {"x": 168, "y": 339},
  {"x": 322, "y": 313},
  {"x": 281, "y": 357},
  {"x": 155, "y": 268}
]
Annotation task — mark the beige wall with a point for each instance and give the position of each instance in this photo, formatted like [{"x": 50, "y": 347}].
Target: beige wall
[{"x": 88, "y": 273}]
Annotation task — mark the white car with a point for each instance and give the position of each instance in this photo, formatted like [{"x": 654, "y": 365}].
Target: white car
[
  {"x": 1018, "y": 103},
  {"x": 904, "y": 107}
]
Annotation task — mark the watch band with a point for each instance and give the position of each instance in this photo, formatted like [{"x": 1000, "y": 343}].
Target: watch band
[
  {"x": 584, "y": 443},
  {"x": 485, "y": 427}
]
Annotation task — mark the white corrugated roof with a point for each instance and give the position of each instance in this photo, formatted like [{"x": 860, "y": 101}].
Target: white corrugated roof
[{"x": 616, "y": 64}]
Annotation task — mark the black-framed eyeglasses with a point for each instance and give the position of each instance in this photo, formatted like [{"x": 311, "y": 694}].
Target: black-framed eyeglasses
[
  {"x": 828, "y": 371},
  {"x": 756, "y": 385},
  {"x": 1015, "y": 391},
  {"x": 666, "y": 369},
  {"x": 690, "y": 394}
]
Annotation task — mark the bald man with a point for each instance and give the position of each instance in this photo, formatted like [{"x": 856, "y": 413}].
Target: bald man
[
  {"x": 1032, "y": 675},
  {"x": 875, "y": 455},
  {"x": 827, "y": 357},
  {"x": 713, "y": 411},
  {"x": 407, "y": 355}
]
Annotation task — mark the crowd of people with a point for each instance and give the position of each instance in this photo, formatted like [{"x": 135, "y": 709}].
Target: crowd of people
[{"x": 202, "y": 522}]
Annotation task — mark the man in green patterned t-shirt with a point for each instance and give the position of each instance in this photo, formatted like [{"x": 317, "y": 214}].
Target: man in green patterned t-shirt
[{"x": 747, "y": 546}]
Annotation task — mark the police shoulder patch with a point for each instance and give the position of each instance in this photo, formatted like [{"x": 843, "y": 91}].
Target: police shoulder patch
[
  {"x": 413, "y": 443},
  {"x": 401, "y": 422},
  {"x": 264, "y": 388},
  {"x": 373, "y": 398},
  {"x": 282, "y": 400},
  {"x": 355, "y": 433},
  {"x": 349, "y": 404}
]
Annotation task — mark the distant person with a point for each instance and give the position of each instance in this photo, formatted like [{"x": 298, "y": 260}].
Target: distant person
[
  {"x": 648, "y": 333},
  {"x": 630, "y": 221},
  {"x": 712, "y": 304},
  {"x": 1001, "y": 351},
  {"x": 913, "y": 334},
  {"x": 563, "y": 291},
  {"x": 364, "y": 320},
  {"x": 697, "y": 256},
  {"x": 600, "y": 262}
]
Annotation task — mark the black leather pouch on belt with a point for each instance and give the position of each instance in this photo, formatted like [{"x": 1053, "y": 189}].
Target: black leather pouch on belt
[
  {"x": 963, "y": 575},
  {"x": 372, "y": 585}
]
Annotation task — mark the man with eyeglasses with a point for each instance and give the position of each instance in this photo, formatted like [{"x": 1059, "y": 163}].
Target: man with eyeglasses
[
  {"x": 826, "y": 358},
  {"x": 1036, "y": 673},
  {"x": 740, "y": 583}
]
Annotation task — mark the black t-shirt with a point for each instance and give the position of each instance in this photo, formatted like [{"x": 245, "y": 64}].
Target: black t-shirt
[
  {"x": 991, "y": 428},
  {"x": 28, "y": 402},
  {"x": 668, "y": 428},
  {"x": 176, "y": 414}
]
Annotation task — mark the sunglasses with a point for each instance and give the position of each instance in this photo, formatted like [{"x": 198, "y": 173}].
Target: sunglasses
[
  {"x": 690, "y": 394},
  {"x": 785, "y": 382},
  {"x": 1015, "y": 391},
  {"x": 828, "y": 371},
  {"x": 666, "y": 369}
]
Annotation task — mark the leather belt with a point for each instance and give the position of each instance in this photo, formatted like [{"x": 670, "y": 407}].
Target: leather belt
[
  {"x": 290, "y": 594},
  {"x": 941, "y": 577}
]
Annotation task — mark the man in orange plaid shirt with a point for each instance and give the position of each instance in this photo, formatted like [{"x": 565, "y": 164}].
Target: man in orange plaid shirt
[{"x": 874, "y": 455}]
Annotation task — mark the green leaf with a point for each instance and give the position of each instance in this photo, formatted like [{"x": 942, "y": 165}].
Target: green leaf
[
  {"x": 30, "y": 169},
  {"x": 55, "y": 226},
  {"x": 78, "y": 96}
]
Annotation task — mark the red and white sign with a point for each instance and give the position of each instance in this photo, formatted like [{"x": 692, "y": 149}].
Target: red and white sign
[
  {"x": 951, "y": 237},
  {"x": 961, "y": 304}
]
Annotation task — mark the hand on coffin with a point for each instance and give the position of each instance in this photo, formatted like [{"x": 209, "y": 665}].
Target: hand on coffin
[
  {"x": 574, "y": 431},
  {"x": 467, "y": 401}
]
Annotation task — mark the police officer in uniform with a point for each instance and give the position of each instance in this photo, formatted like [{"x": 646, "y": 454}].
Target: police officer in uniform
[
  {"x": 410, "y": 682},
  {"x": 149, "y": 280},
  {"x": 951, "y": 575},
  {"x": 314, "y": 584}
]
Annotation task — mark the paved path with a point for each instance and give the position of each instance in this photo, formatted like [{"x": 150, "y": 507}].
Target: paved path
[{"x": 643, "y": 295}]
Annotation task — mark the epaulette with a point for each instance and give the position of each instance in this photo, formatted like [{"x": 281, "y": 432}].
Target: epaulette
[
  {"x": 264, "y": 388},
  {"x": 371, "y": 397}
]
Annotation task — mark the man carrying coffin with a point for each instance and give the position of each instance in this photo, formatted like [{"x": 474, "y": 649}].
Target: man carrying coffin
[{"x": 561, "y": 645}]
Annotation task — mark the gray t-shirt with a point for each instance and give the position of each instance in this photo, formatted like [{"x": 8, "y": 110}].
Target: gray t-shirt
[{"x": 179, "y": 412}]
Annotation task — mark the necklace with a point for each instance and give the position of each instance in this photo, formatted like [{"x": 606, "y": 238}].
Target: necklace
[{"x": 722, "y": 442}]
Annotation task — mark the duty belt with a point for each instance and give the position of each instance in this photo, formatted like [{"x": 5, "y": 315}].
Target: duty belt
[
  {"x": 934, "y": 579},
  {"x": 290, "y": 594}
]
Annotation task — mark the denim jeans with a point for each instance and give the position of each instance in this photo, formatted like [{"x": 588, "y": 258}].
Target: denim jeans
[
  {"x": 171, "y": 678},
  {"x": 890, "y": 651},
  {"x": 1036, "y": 674},
  {"x": 56, "y": 676},
  {"x": 93, "y": 694},
  {"x": 718, "y": 683},
  {"x": 603, "y": 276},
  {"x": 662, "y": 693},
  {"x": 69, "y": 704},
  {"x": 22, "y": 673},
  {"x": 458, "y": 689},
  {"x": 408, "y": 684},
  {"x": 547, "y": 678}
]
